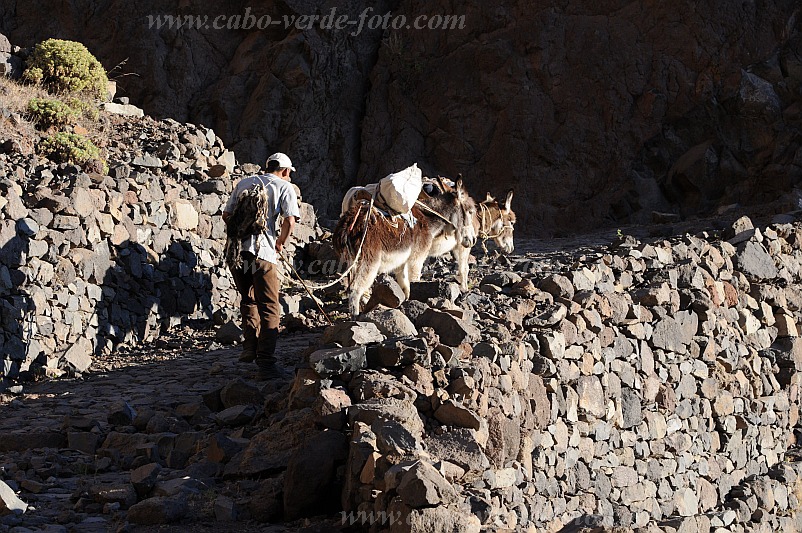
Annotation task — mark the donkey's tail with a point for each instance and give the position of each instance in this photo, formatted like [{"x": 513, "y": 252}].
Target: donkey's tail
[
  {"x": 350, "y": 229},
  {"x": 348, "y": 239}
]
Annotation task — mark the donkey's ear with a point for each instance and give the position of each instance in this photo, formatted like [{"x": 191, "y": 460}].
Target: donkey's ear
[
  {"x": 460, "y": 189},
  {"x": 488, "y": 198},
  {"x": 508, "y": 200},
  {"x": 442, "y": 184}
]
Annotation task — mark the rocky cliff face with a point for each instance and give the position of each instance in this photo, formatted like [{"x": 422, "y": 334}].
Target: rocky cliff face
[{"x": 594, "y": 112}]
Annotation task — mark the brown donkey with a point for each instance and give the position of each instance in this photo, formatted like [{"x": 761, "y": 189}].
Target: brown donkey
[
  {"x": 497, "y": 222},
  {"x": 390, "y": 245}
]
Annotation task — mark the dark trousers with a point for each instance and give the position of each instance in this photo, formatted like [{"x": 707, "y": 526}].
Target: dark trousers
[{"x": 258, "y": 286}]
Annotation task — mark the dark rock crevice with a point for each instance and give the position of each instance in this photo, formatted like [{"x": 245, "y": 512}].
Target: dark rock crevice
[{"x": 566, "y": 102}]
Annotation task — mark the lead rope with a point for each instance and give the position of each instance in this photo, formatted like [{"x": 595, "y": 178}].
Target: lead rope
[
  {"x": 482, "y": 225},
  {"x": 347, "y": 271},
  {"x": 309, "y": 292}
]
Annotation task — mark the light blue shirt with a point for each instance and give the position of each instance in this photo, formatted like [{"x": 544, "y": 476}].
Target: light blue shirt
[{"x": 282, "y": 201}]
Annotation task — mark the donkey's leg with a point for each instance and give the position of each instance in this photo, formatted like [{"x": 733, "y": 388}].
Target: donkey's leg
[
  {"x": 402, "y": 277},
  {"x": 461, "y": 256},
  {"x": 364, "y": 276},
  {"x": 417, "y": 256},
  {"x": 415, "y": 265}
]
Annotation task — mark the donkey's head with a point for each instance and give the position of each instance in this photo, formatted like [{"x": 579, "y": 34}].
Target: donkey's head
[
  {"x": 504, "y": 240},
  {"x": 498, "y": 222}
]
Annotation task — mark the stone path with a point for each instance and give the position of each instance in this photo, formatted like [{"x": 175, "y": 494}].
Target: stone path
[
  {"x": 75, "y": 449},
  {"x": 43, "y": 430}
]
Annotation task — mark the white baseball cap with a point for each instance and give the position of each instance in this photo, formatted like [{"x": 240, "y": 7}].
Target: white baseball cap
[{"x": 283, "y": 160}]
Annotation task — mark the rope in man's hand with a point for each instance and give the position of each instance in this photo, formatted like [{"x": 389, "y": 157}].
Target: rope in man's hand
[
  {"x": 309, "y": 292},
  {"x": 341, "y": 277}
]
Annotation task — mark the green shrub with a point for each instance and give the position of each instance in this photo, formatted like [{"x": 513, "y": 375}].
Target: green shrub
[
  {"x": 66, "y": 67},
  {"x": 71, "y": 148},
  {"x": 46, "y": 113},
  {"x": 87, "y": 109}
]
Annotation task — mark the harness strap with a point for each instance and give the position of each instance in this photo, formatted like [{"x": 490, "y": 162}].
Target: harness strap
[
  {"x": 358, "y": 212},
  {"x": 484, "y": 226},
  {"x": 435, "y": 213}
]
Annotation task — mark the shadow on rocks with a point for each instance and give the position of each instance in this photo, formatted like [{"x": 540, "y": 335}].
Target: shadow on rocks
[
  {"x": 17, "y": 308},
  {"x": 145, "y": 294}
]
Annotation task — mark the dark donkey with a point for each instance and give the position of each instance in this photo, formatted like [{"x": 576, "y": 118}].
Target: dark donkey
[
  {"x": 491, "y": 221},
  {"x": 390, "y": 245}
]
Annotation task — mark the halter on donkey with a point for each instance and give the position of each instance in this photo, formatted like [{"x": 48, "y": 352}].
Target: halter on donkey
[{"x": 497, "y": 222}]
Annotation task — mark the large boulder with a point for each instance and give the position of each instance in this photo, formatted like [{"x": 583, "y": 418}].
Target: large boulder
[
  {"x": 158, "y": 510},
  {"x": 352, "y": 333},
  {"x": 310, "y": 486},
  {"x": 423, "y": 486},
  {"x": 452, "y": 331}
]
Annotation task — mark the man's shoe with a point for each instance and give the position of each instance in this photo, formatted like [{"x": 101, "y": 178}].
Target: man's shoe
[
  {"x": 270, "y": 372},
  {"x": 248, "y": 355}
]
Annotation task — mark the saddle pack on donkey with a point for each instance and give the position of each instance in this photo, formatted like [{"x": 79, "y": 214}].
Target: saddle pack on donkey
[{"x": 395, "y": 194}]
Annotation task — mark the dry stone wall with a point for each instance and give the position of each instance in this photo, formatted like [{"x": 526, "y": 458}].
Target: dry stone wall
[
  {"x": 652, "y": 386},
  {"x": 89, "y": 262},
  {"x": 647, "y": 386}
]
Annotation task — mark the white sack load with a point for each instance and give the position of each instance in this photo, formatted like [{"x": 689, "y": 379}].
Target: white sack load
[
  {"x": 355, "y": 194},
  {"x": 400, "y": 190}
]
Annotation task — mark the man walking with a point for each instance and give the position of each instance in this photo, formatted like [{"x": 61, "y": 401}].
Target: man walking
[{"x": 256, "y": 277}]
